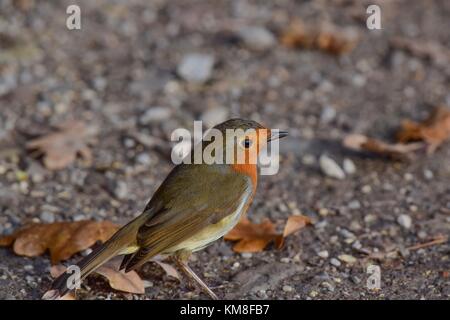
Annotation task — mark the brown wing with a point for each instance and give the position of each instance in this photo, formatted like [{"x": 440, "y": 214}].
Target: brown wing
[{"x": 194, "y": 196}]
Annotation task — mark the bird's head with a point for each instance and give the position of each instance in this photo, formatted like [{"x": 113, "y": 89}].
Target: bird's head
[{"x": 242, "y": 140}]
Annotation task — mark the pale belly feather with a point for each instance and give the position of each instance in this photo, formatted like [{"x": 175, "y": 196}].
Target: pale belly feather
[{"x": 212, "y": 232}]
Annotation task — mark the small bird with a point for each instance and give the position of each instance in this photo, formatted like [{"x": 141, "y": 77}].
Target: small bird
[{"x": 195, "y": 205}]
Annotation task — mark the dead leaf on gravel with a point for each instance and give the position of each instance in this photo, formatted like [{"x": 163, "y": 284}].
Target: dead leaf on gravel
[
  {"x": 325, "y": 37},
  {"x": 62, "y": 239},
  {"x": 253, "y": 237},
  {"x": 293, "y": 224},
  {"x": 168, "y": 269},
  {"x": 434, "y": 130},
  {"x": 61, "y": 148},
  {"x": 359, "y": 142},
  {"x": 118, "y": 280}
]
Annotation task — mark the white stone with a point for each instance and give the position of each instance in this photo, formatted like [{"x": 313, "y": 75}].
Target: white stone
[
  {"x": 331, "y": 168},
  {"x": 405, "y": 221},
  {"x": 349, "y": 166},
  {"x": 196, "y": 67}
]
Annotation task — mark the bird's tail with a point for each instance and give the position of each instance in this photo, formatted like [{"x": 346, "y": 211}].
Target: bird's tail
[{"x": 119, "y": 242}]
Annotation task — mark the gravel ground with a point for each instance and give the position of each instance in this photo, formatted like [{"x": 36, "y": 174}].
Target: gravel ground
[{"x": 128, "y": 72}]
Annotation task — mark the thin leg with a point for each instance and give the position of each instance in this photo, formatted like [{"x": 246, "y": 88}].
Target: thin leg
[{"x": 182, "y": 263}]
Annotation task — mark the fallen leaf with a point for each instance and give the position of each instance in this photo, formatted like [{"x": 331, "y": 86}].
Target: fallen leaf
[
  {"x": 295, "y": 223},
  {"x": 118, "y": 280},
  {"x": 61, "y": 148},
  {"x": 255, "y": 237},
  {"x": 360, "y": 142},
  {"x": 434, "y": 130},
  {"x": 325, "y": 37},
  {"x": 168, "y": 269},
  {"x": 62, "y": 239}
]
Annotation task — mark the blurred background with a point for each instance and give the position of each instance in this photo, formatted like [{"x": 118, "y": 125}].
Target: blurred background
[{"x": 139, "y": 69}]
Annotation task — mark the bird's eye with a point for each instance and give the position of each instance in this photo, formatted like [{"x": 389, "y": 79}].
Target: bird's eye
[{"x": 247, "y": 143}]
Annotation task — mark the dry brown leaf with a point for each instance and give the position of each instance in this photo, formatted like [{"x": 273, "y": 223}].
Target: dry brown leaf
[
  {"x": 325, "y": 37},
  {"x": 359, "y": 142},
  {"x": 434, "y": 130},
  {"x": 61, "y": 148},
  {"x": 295, "y": 223},
  {"x": 62, "y": 239},
  {"x": 118, "y": 280},
  {"x": 252, "y": 237},
  {"x": 168, "y": 269},
  {"x": 255, "y": 237}
]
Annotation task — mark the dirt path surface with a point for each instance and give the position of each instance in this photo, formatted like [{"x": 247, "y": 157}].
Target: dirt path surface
[{"x": 119, "y": 74}]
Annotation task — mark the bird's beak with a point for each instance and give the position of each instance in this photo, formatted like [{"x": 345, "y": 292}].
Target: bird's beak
[{"x": 275, "y": 135}]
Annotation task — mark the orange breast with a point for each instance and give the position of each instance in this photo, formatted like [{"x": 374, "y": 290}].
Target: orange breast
[{"x": 249, "y": 170}]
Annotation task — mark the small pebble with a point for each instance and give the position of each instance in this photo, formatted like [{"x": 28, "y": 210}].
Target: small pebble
[
  {"x": 308, "y": 159},
  {"x": 323, "y": 254},
  {"x": 366, "y": 189},
  {"x": 257, "y": 38},
  {"x": 328, "y": 114},
  {"x": 144, "y": 159},
  {"x": 28, "y": 267},
  {"x": 321, "y": 224},
  {"x": 285, "y": 260},
  {"x": 356, "y": 280},
  {"x": 347, "y": 258},
  {"x": 121, "y": 190},
  {"x": 335, "y": 262},
  {"x": 79, "y": 217},
  {"x": 328, "y": 286},
  {"x": 405, "y": 221},
  {"x": 47, "y": 217},
  {"x": 354, "y": 205},
  {"x": 355, "y": 226},
  {"x": 287, "y": 288},
  {"x": 262, "y": 294},
  {"x": 246, "y": 255},
  {"x": 214, "y": 116},
  {"x": 349, "y": 166},
  {"x": 313, "y": 294},
  {"x": 331, "y": 168},
  {"x": 334, "y": 239},
  {"x": 428, "y": 174},
  {"x": 196, "y": 67},
  {"x": 155, "y": 115},
  {"x": 357, "y": 245},
  {"x": 347, "y": 234},
  {"x": 370, "y": 218}
]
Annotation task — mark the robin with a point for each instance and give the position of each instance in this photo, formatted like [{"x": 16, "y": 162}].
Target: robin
[{"x": 195, "y": 205}]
